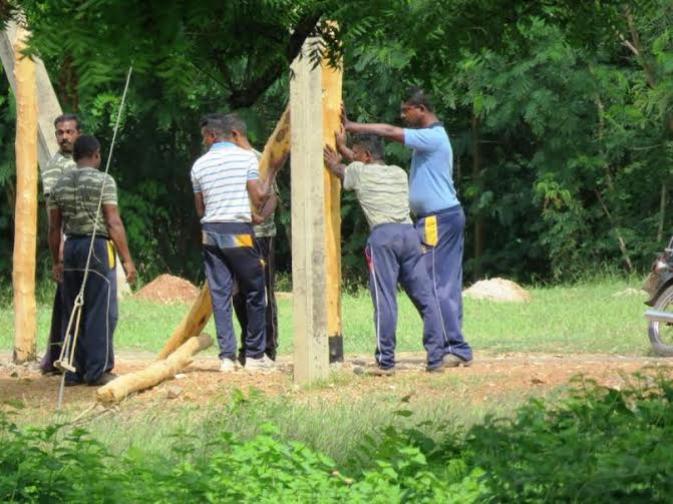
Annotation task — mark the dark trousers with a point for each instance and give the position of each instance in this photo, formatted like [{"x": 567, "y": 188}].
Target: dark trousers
[
  {"x": 229, "y": 255},
  {"x": 442, "y": 234},
  {"x": 394, "y": 255},
  {"x": 265, "y": 246},
  {"x": 94, "y": 354},
  {"x": 56, "y": 332}
]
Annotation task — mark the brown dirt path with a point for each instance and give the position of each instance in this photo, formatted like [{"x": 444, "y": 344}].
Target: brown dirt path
[{"x": 493, "y": 377}]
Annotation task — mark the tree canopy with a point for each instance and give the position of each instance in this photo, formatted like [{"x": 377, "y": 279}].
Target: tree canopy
[{"x": 559, "y": 113}]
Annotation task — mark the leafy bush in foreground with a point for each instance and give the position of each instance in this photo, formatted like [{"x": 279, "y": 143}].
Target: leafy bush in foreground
[{"x": 597, "y": 445}]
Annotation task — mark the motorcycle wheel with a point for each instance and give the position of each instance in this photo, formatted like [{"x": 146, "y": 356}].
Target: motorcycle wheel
[{"x": 661, "y": 333}]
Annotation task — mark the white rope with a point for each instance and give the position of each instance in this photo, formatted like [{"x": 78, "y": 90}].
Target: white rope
[{"x": 65, "y": 361}]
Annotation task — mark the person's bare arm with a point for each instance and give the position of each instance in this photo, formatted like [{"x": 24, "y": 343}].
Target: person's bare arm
[
  {"x": 117, "y": 233},
  {"x": 394, "y": 133},
  {"x": 342, "y": 148},
  {"x": 333, "y": 162},
  {"x": 267, "y": 209},
  {"x": 55, "y": 240},
  {"x": 199, "y": 204},
  {"x": 259, "y": 191}
]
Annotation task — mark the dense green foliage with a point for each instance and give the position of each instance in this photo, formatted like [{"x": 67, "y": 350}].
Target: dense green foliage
[
  {"x": 559, "y": 113},
  {"x": 596, "y": 445}
]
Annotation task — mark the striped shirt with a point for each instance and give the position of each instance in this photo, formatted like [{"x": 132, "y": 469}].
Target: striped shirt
[
  {"x": 382, "y": 190},
  {"x": 76, "y": 194},
  {"x": 221, "y": 175}
]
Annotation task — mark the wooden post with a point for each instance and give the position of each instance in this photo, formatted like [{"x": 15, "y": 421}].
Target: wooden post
[
  {"x": 311, "y": 353},
  {"x": 276, "y": 148},
  {"x": 25, "y": 216},
  {"x": 331, "y": 108}
]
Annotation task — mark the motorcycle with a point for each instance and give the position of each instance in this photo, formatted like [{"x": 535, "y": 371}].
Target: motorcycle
[{"x": 659, "y": 286}]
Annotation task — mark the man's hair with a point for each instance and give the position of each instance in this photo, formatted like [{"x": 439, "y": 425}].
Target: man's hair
[
  {"x": 371, "y": 143},
  {"x": 221, "y": 125},
  {"x": 416, "y": 96},
  {"x": 66, "y": 117},
  {"x": 85, "y": 146}
]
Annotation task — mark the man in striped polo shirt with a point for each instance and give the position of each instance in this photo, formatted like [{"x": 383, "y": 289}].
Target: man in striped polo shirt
[
  {"x": 393, "y": 249},
  {"x": 226, "y": 183}
]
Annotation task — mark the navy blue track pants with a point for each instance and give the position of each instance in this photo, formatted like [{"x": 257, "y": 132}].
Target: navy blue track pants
[
  {"x": 94, "y": 353},
  {"x": 442, "y": 235},
  {"x": 394, "y": 255},
  {"x": 230, "y": 253}
]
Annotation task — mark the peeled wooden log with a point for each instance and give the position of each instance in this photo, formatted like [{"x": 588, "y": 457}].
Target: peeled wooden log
[
  {"x": 275, "y": 150},
  {"x": 155, "y": 373},
  {"x": 331, "y": 116},
  {"x": 25, "y": 216},
  {"x": 192, "y": 324}
]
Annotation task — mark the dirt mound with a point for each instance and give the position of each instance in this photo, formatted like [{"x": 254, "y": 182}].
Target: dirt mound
[
  {"x": 168, "y": 289},
  {"x": 498, "y": 289}
]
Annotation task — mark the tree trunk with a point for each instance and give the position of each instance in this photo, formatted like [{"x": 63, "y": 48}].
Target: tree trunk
[
  {"x": 479, "y": 227},
  {"x": 662, "y": 211},
  {"x": 25, "y": 223}
]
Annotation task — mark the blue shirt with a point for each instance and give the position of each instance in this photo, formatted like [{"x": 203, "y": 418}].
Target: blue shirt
[{"x": 431, "y": 180}]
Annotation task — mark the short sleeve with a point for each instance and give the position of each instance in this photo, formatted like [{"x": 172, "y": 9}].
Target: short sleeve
[
  {"x": 352, "y": 176},
  {"x": 110, "y": 191},
  {"x": 423, "y": 139},
  {"x": 253, "y": 169},
  {"x": 52, "y": 199},
  {"x": 196, "y": 185}
]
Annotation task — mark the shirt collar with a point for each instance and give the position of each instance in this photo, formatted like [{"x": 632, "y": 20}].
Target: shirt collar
[{"x": 222, "y": 145}]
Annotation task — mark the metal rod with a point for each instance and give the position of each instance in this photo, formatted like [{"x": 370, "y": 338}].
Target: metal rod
[{"x": 659, "y": 316}]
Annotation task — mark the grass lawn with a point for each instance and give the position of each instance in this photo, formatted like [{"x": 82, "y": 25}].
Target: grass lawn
[
  {"x": 338, "y": 416},
  {"x": 594, "y": 316}
]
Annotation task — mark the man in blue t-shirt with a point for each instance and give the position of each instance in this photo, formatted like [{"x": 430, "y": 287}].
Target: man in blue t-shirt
[{"x": 440, "y": 220}]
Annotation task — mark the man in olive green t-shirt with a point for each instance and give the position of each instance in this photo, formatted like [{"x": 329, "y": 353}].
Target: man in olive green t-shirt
[
  {"x": 67, "y": 130},
  {"x": 73, "y": 208}
]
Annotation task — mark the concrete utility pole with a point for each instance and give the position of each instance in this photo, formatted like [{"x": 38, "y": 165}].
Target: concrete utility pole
[{"x": 315, "y": 102}]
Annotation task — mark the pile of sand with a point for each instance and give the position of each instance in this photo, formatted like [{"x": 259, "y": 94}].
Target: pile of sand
[
  {"x": 498, "y": 289},
  {"x": 168, "y": 289}
]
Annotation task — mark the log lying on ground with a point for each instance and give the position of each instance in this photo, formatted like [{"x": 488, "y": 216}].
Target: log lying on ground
[
  {"x": 276, "y": 149},
  {"x": 155, "y": 373}
]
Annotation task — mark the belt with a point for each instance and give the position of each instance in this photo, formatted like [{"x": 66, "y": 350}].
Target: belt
[{"x": 443, "y": 211}]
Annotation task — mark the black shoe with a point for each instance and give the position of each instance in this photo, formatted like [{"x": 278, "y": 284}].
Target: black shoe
[
  {"x": 439, "y": 368},
  {"x": 103, "y": 380},
  {"x": 73, "y": 383}
]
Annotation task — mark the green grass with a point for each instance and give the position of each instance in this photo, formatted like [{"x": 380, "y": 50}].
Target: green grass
[
  {"x": 586, "y": 317},
  {"x": 333, "y": 423}
]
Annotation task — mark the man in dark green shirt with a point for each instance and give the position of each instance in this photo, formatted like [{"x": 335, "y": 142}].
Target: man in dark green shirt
[{"x": 73, "y": 207}]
